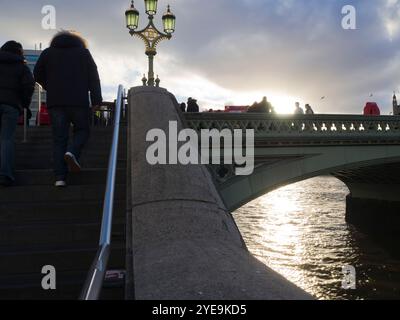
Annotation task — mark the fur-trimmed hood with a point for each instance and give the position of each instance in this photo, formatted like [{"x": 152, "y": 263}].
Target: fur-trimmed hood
[{"x": 68, "y": 40}]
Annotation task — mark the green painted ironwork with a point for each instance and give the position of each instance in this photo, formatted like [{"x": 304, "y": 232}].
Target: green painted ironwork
[{"x": 336, "y": 129}]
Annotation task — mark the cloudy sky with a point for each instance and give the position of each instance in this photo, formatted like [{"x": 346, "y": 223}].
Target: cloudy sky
[{"x": 236, "y": 51}]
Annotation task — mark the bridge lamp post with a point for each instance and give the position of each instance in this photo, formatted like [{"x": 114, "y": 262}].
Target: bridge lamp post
[{"x": 150, "y": 34}]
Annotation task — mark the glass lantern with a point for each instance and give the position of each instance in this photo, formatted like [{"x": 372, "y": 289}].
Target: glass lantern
[
  {"x": 132, "y": 17},
  {"x": 151, "y": 7},
  {"x": 169, "y": 21}
]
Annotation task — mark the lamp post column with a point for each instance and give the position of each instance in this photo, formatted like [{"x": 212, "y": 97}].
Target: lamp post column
[{"x": 151, "y": 77}]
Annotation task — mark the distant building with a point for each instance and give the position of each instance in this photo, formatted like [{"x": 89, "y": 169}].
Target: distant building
[
  {"x": 396, "y": 107},
  {"x": 39, "y": 95}
]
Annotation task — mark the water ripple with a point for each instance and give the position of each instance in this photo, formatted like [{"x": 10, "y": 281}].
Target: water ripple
[{"x": 300, "y": 231}]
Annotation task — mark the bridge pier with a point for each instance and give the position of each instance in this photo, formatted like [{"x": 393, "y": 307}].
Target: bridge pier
[
  {"x": 374, "y": 208},
  {"x": 184, "y": 242}
]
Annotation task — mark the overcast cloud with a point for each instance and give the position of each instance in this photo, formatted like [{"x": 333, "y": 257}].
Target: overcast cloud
[{"x": 236, "y": 51}]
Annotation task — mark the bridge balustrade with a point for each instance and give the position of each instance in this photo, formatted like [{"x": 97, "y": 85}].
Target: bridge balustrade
[{"x": 304, "y": 129}]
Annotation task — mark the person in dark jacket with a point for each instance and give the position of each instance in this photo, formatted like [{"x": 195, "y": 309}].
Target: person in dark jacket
[
  {"x": 263, "y": 107},
  {"x": 68, "y": 73},
  {"x": 309, "y": 110},
  {"x": 16, "y": 90},
  {"x": 266, "y": 107},
  {"x": 192, "y": 106},
  {"x": 254, "y": 108}
]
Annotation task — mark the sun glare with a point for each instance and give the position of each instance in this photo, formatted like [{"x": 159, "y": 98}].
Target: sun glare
[{"x": 283, "y": 104}]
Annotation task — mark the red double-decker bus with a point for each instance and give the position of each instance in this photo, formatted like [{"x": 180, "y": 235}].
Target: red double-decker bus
[{"x": 236, "y": 109}]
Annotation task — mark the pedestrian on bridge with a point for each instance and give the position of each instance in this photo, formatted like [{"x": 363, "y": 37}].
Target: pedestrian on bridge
[
  {"x": 16, "y": 89},
  {"x": 298, "y": 110},
  {"x": 309, "y": 110},
  {"x": 68, "y": 73},
  {"x": 192, "y": 106},
  {"x": 262, "y": 107}
]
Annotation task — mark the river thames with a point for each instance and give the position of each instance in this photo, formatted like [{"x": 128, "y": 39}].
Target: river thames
[{"x": 300, "y": 231}]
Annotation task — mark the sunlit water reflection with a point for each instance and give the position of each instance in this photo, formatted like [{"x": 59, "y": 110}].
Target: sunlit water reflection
[{"x": 300, "y": 231}]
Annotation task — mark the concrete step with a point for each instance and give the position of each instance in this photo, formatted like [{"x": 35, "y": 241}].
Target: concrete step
[
  {"x": 24, "y": 194},
  {"x": 100, "y": 140},
  {"x": 29, "y": 156},
  {"x": 37, "y": 154},
  {"x": 31, "y": 260},
  {"x": 62, "y": 211},
  {"x": 28, "y": 286},
  {"x": 37, "y": 159},
  {"x": 69, "y": 285},
  {"x": 86, "y": 177},
  {"x": 101, "y": 146},
  {"x": 48, "y": 140},
  {"x": 67, "y": 290},
  {"x": 42, "y": 131},
  {"x": 38, "y": 164},
  {"x": 41, "y": 225},
  {"x": 80, "y": 233},
  {"x": 101, "y": 149},
  {"x": 35, "y": 137}
]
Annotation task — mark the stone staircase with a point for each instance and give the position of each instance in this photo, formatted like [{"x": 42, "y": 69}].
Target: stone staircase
[{"x": 41, "y": 225}]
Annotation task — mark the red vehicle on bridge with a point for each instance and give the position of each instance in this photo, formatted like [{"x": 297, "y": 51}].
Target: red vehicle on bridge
[
  {"x": 236, "y": 109},
  {"x": 372, "y": 109}
]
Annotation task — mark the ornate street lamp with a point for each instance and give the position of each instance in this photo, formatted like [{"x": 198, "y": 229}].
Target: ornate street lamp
[{"x": 150, "y": 35}]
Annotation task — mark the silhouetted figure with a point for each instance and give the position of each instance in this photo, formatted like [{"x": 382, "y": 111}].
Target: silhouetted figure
[
  {"x": 263, "y": 107},
  {"x": 68, "y": 73},
  {"x": 16, "y": 89},
  {"x": 183, "y": 107},
  {"x": 372, "y": 109},
  {"x": 298, "y": 110},
  {"x": 254, "y": 108},
  {"x": 192, "y": 106},
  {"x": 309, "y": 110}
]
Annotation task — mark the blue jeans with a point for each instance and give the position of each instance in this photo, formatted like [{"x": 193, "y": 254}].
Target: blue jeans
[
  {"x": 8, "y": 124},
  {"x": 61, "y": 119}
]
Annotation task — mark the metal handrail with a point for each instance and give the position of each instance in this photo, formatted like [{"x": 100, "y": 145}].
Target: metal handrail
[{"x": 97, "y": 272}]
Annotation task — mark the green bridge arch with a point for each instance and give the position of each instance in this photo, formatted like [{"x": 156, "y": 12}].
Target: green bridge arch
[{"x": 361, "y": 151}]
